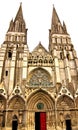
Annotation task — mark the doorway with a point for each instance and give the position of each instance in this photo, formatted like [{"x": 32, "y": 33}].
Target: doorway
[
  {"x": 14, "y": 123},
  {"x": 40, "y": 121},
  {"x": 68, "y": 124}
]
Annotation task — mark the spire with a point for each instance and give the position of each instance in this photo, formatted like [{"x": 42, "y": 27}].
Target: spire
[
  {"x": 19, "y": 15},
  {"x": 56, "y": 25},
  {"x": 64, "y": 27},
  {"x": 11, "y": 25},
  {"x": 18, "y": 25}
]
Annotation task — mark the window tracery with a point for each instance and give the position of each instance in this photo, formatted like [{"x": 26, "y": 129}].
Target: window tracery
[{"x": 40, "y": 78}]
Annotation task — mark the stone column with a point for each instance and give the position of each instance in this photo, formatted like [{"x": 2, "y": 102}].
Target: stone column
[
  {"x": 12, "y": 70},
  {"x": 25, "y": 55},
  {"x": 67, "y": 68},
  {"x": 57, "y": 72},
  {"x": 2, "y": 59}
]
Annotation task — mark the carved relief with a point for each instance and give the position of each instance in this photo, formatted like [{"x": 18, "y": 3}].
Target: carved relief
[
  {"x": 40, "y": 78},
  {"x": 16, "y": 103}
]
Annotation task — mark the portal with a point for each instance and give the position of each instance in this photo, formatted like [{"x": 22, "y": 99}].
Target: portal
[
  {"x": 40, "y": 121},
  {"x": 68, "y": 124},
  {"x": 14, "y": 123}
]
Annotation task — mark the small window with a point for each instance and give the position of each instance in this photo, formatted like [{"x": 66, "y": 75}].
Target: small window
[
  {"x": 50, "y": 61},
  {"x": 9, "y": 54},
  {"x": 6, "y": 73},
  {"x": 45, "y": 61},
  {"x": 61, "y": 55},
  {"x": 15, "y": 38},
  {"x": 40, "y": 61},
  {"x": 68, "y": 56}
]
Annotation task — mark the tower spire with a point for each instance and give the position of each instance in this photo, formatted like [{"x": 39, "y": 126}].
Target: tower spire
[
  {"x": 64, "y": 27},
  {"x": 19, "y": 15},
  {"x": 56, "y": 26},
  {"x": 18, "y": 25}
]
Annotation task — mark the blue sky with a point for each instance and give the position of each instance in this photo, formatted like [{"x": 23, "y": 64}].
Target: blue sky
[{"x": 37, "y": 15}]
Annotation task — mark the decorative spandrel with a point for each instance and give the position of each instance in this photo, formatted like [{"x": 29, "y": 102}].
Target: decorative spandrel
[{"x": 40, "y": 78}]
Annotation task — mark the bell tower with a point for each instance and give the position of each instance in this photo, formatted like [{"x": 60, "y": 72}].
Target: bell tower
[
  {"x": 14, "y": 64},
  {"x": 62, "y": 50}
]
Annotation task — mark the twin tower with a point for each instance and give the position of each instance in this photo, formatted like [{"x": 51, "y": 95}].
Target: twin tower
[{"x": 38, "y": 89}]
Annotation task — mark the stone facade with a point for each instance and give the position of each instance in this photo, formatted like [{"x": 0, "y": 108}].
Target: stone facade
[{"x": 41, "y": 81}]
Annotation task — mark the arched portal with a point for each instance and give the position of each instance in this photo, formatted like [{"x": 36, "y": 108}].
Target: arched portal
[
  {"x": 65, "y": 106},
  {"x": 40, "y": 106},
  {"x": 16, "y": 106}
]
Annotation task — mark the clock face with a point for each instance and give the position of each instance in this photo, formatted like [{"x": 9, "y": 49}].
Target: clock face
[{"x": 40, "y": 106}]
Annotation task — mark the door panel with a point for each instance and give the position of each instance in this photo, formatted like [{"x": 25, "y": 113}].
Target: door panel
[
  {"x": 40, "y": 121},
  {"x": 14, "y": 125},
  {"x": 37, "y": 121},
  {"x": 68, "y": 124}
]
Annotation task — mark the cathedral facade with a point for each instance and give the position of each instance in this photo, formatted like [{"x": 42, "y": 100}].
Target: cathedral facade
[{"x": 38, "y": 89}]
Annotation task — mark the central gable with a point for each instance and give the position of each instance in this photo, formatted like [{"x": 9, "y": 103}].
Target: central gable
[{"x": 40, "y": 50}]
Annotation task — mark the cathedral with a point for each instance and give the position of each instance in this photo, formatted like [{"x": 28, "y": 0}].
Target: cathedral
[{"x": 38, "y": 89}]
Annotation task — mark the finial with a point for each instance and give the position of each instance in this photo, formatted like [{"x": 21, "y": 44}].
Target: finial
[{"x": 21, "y": 3}]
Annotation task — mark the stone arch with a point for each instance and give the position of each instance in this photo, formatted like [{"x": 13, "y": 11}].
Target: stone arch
[
  {"x": 16, "y": 102},
  {"x": 39, "y": 77},
  {"x": 41, "y": 102},
  {"x": 16, "y": 106},
  {"x": 64, "y": 102},
  {"x": 65, "y": 106},
  {"x": 42, "y": 97}
]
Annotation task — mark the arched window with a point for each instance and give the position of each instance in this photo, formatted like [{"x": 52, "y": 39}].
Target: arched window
[
  {"x": 50, "y": 61},
  {"x": 45, "y": 61},
  {"x": 68, "y": 56},
  {"x": 61, "y": 55},
  {"x": 9, "y": 54},
  {"x": 40, "y": 61},
  {"x": 6, "y": 72},
  {"x": 40, "y": 78}
]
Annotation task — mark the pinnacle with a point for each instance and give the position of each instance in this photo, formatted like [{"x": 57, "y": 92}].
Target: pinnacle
[
  {"x": 56, "y": 25},
  {"x": 19, "y": 15}
]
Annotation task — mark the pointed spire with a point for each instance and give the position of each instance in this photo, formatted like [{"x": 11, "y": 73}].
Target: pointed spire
[
  {"x": 11, "y": 25},
  {"x": 19, "y": 15},
  {"x": 56, "y": 25},
  {"x": 18, "y": 25},
  {"x": 64, "y": 27}
]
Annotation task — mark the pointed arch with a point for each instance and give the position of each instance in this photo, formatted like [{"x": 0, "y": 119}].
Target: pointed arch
[
  {"x": 42, "y": 97},
  {"x": 39, "y": 77},
  {"x": 16, "y": 102},
  {"x": 65, "y": 102}
]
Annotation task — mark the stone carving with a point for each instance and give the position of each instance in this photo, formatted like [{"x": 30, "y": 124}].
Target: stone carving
[{"x": 40, "y": 78}]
